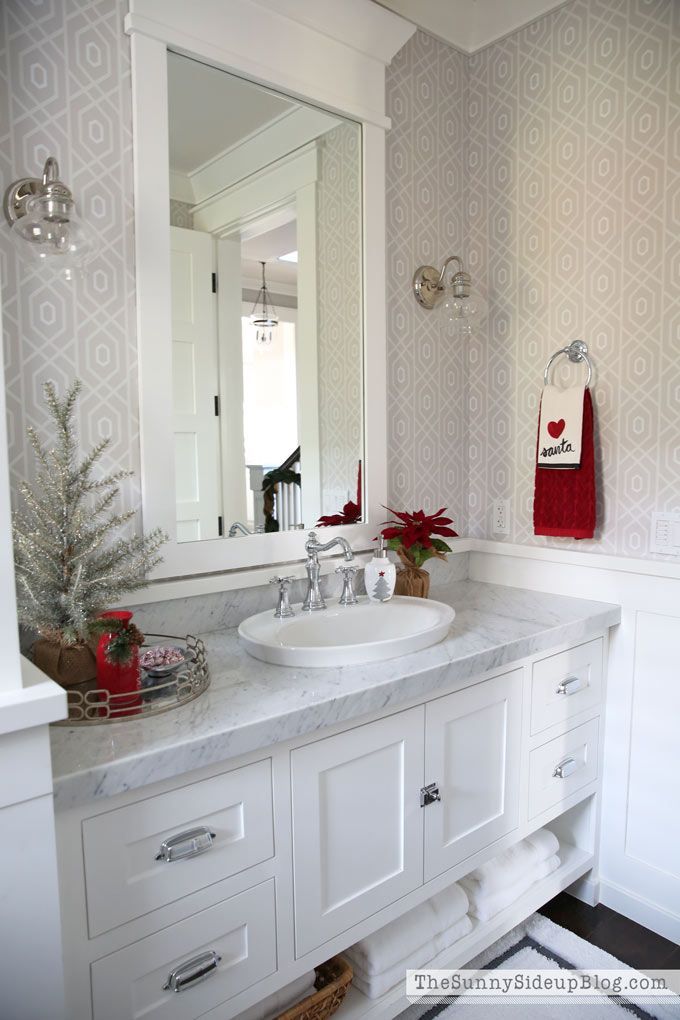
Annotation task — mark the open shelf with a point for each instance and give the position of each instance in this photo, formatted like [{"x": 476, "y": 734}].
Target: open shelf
[{"x": 575, "y": 863}]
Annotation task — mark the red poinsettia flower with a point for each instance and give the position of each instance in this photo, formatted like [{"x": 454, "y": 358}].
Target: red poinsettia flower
[
  {"x": 419, "y": 533},
  {"x": 350, "y": 513}
]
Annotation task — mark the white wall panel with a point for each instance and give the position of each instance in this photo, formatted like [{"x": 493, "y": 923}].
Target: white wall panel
[{"x": 639, "y": 857}]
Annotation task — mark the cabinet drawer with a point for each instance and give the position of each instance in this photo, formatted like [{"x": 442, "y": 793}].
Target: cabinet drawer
[
  {"x": 565, "y": 684},
  {"x": 240, "y": 931},
  {"x": 562, "y": 766},
  {"x": 128, "y": 875}
]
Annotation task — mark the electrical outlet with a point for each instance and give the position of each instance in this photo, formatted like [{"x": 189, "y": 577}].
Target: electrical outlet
[{"x": 500, "y": 522}]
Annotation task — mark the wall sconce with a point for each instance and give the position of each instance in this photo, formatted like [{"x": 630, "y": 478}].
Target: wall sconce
[
  {"x": 44, "y": 222},
  {"x": 462, "y": 308}
]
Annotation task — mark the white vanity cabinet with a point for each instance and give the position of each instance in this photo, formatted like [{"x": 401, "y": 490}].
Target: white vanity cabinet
[
  {"x": 389, "y": 805},
  {"x": 472, "y": 752},
  {"x": 357, "y": 826},
  {"x": 303, "y": 848}
]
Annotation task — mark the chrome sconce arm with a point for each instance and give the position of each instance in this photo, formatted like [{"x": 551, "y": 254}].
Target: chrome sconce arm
[
  {"x": 461, "y": 307},
  {"x": 429, "y": 286}
]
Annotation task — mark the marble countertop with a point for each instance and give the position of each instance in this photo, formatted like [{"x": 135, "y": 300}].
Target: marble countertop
[{"x": 252, "y": 705}]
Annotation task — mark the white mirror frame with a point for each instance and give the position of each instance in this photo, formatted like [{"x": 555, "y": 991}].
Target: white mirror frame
[{"x": 332, "y": 55}]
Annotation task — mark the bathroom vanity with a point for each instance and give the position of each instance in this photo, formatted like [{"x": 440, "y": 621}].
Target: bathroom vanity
[{"x": 289, "y": 812}]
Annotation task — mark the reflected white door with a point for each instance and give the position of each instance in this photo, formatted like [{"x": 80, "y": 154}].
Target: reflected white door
[{"x": 195, "y": 385}]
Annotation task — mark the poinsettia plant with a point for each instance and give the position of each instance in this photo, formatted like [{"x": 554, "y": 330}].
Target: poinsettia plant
[
  {"x": 350, "y": 513},
  {"x": 416, "y": 537}
]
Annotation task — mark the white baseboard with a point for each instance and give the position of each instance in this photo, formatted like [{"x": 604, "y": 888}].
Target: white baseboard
[
  {"x": 587, "y": 890},
  {"x": 651, "y": 915}
]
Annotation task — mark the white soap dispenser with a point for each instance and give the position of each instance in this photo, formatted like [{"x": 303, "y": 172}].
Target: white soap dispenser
[{"x": 380, "y": 575}]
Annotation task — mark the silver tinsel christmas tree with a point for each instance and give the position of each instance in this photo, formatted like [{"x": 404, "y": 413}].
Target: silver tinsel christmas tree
[{"x": 70, "y": 566}]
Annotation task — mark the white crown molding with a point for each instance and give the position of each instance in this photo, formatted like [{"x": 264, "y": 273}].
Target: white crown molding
[
  {"x": 222, "y": 213},
  {"x": 334, "y": 53},
  {"x": 267, "y": 146}
]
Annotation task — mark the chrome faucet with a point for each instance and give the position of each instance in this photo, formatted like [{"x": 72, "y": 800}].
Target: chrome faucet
[
  {"x": 237, "y": 526},
  {"x": 314, "y": 599}
]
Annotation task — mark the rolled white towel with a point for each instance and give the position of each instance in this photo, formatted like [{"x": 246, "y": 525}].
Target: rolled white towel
[
  {"x": 485, "y": 906},
  {"x": 279, "y": 1002},
  {"x": 512, "y": 864},
  {"x": 398, "y": 939},
  {"x": 375, "y": 985}
]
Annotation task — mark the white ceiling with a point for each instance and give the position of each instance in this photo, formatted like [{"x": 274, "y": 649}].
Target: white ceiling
[
  {"x": 470, "y": 25},
  {"x": 267, "y": 248},
  {"x": 212, "y": 111}
]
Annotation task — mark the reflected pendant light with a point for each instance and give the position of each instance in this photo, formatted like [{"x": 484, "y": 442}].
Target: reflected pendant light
[{"x": 263, "y": 316}]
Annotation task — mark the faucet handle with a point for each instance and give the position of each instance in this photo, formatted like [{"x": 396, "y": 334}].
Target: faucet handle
[
  {"x": 283, "y": 608},
  {"x": 348, "y": 597}
]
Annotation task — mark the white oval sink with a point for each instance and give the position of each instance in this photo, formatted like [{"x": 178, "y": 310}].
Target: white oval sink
[{"x": 342, "y": 635}]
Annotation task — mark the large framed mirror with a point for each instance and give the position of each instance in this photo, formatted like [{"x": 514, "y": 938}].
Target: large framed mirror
[{"x": 260, "y": 262}]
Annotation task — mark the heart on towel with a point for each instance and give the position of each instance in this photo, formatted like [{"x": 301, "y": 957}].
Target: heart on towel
[{"x": 556, "y": 428}]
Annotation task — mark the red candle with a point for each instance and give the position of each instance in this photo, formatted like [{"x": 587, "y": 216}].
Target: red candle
[{"x": 116, "y": 677}]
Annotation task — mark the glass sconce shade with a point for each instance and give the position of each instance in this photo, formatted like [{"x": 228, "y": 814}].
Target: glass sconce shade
[
  {"x": 462, "y": 307},
  {"x": 464, "y": 314},
  {"x": 45, "y": 225}
]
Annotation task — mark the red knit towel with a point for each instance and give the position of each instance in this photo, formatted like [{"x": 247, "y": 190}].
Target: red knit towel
[{"x": 564, "y": 500}]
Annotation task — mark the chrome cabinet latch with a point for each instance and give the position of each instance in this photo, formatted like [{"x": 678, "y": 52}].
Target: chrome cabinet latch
[
  {"x": 429, "y": 794},
  {"x": 566, "y": 768},
  {"x": 185, "y": 844},
  {"x": 570, "y": 685},
  {"x": 192, "y": 972}
]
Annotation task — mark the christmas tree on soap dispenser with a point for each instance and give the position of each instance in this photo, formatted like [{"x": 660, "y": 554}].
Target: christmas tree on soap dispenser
[{"x": 381, "y": 590}]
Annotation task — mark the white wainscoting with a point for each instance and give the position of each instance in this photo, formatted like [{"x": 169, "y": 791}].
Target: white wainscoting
[{"x": 640, "y": 849}]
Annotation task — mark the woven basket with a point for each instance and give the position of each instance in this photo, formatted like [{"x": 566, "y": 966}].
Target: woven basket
[{"x": 333, "y": 978}]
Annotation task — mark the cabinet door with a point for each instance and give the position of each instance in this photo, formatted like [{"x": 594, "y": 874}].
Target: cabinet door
[
  {"x": 472, "y": 741},
  {"x": 357, "y": 824}
]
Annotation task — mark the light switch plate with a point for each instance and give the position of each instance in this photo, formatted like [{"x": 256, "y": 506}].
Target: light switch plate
[{"x": 666, "y": 534}]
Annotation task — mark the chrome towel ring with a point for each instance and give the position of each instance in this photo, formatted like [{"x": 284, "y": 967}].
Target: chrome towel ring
[{"x": 576, "y": 351}]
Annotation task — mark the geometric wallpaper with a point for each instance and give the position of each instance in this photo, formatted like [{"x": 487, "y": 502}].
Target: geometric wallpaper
[
  {"x": 181, "y": 214},
  {"x": 339, "y": 310},
  {"x": 550, "y": 161},
  {"x": 65, "y": 92},
  {"x": 569, "y": 214},
  {"x": 426, "y": 221},
  {"x": 573, "y": 183}
]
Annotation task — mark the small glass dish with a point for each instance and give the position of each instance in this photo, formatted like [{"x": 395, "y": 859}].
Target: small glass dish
[{"x": 157, "y": 672}]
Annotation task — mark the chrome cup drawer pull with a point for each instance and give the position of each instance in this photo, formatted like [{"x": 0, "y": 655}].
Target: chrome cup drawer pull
[
  {"x": 570, "y": 685},
  {"x": 192, "y": 972},
  {"x": 186, "y": 844},
  {"x": 566, "y": 768}
]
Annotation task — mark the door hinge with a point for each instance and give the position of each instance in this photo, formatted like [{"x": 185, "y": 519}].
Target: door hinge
[
  {"x": 220, "y": 527},
  {"x": 429, "y": 794},
  {"x": 214, "y": 283},
  {"x": 217, "y": 406}
]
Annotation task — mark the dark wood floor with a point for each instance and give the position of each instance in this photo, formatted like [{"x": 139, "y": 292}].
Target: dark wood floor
[{"x": 627, "y": 941}]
